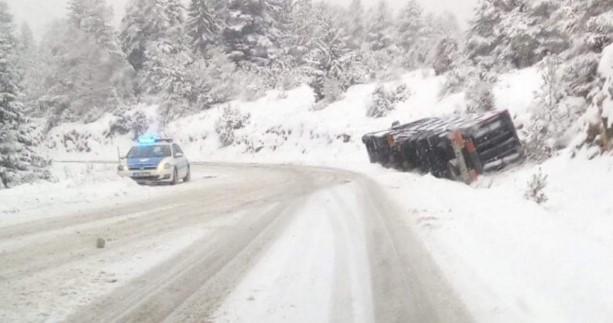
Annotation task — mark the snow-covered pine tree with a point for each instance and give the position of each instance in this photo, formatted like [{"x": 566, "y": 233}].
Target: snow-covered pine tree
[
  {"x": 175, "y": 33},
  {"x": 168, "y": 57},
  {"x": 175, "y": 11},
  {"x": 445, "y": 54},
  {"x": 143, "y": 22},
  {"x": 550, "y": 119},
  {"x": 521, "y": 35},
  {"x": 384, "y": 101},
  {"x": 30, "y": 64},
  {"x": 590, "y": 21},
  {"x": 482, "y": 37},
  {"x": 536, "y": 188},
  {"x": 330, "y": 60},
  {"x": 446, "y": 25},
  {"x": 219, "y": 8},
  {"x": 411, "y": 35},
  {"x": 517, "y": 33},
  {"x": 201, "y": 27},
  {"x": 94, "y": 18},
  {"x": 18, "y": 162},
  {"x": 297, "y": 32},
  {"x": 215, "y": 80},
  {"x": 88, "y": 73},
  {"x": 153, "y": 38},
  {"x": 443, "y": 36},
  {"x": 290, "y": 47},
  {"x": 479, "y": 94},
  {"x": 355, "y": 24},
  {"x": 26, "y": 39},
  {"x": 295, "y": 24},
  {"x": 248, "y": 33},
  {"x": 589, "y": 29},
  {"x": 379, "y": 31}
]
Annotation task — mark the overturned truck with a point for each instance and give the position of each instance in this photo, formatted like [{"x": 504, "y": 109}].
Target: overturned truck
[{"x": 454, "y": 147}]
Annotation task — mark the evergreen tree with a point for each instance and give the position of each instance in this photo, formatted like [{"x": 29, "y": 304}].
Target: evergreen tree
[
  {"x": 31, "y": 66},
  {"x": 18, "y": 162},
  {"x": 446, "y": 25},
  {"x": 592, "y": 20},
  {"x": 330, "y": 60},
  {"x": 219, "y": 8},
  {"x": 413, "y": 35},
  {"x": 298, "y": 33},
  {"x": 26, "y": 39},
  {"x": 482, "y": 37},
  {"x": 175, "y": 38},
  {"x": 410, "y": 26},
  {"x": 249, "y": 34},
  {"x": 446, "y": 53},
  {"x": 355, "y": 24},
  {"x": 378, "y": 35},
  {"x": 175, "y": 11},
  {"x": 94, "y": 18},
  {"x": 144, "y": 21},
  {"x": 514, "y": 34},
  {"x": 88, "y": 73},
  {"x": 9, "y": 73},
  {"x": 202, "y": 26},
  {"x": 153, "y": 37}
]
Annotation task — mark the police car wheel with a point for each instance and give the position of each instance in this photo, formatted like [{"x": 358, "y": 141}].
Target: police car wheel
[
  {"x": 188, "y": 176},
  {"x": 175, "y": 177}
]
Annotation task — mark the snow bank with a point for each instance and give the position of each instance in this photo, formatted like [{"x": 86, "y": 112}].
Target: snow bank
[
  {"x": 99, "y": 140},
  {"x": 79, "y": 186},
  {"x": 511, "y": 259}
]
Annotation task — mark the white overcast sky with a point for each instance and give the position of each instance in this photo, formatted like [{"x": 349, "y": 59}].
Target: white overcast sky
[{"x": 39, "y": 13}]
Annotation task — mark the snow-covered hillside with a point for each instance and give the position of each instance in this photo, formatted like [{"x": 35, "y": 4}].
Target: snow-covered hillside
[
  {"x": 284, "y": 126},
  {"x": 513, "y": 259}
]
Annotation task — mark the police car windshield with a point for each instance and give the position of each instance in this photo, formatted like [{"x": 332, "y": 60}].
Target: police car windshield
[{"x": 149, "y": 151}]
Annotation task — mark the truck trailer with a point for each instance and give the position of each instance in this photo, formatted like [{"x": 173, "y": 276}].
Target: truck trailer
[{"x": 454, "y": 147}]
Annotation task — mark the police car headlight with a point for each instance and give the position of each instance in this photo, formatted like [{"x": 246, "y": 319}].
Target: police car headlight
[{"x": 167, "y": 166}]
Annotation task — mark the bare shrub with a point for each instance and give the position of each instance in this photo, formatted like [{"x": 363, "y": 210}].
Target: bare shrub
[{"x": 536, "y": 187}]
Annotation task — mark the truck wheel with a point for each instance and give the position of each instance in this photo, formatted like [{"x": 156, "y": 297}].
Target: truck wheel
[
  {"x": 188, "y": 176},
  {"x": 175, "y": 177}
]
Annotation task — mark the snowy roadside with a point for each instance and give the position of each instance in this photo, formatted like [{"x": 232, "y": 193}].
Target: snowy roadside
[
  {"x": 511, "y": 259},
  {"x": 78, "y": 186}
]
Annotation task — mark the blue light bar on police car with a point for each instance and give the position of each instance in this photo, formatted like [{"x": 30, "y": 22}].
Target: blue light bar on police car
[{"x": 148, "y": 139}]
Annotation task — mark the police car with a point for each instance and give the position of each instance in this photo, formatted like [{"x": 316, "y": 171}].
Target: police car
[{"x": 155, "y": 160}]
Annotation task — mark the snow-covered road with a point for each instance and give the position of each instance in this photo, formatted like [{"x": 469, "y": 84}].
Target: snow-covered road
[{"x": 238, "y": 244}]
